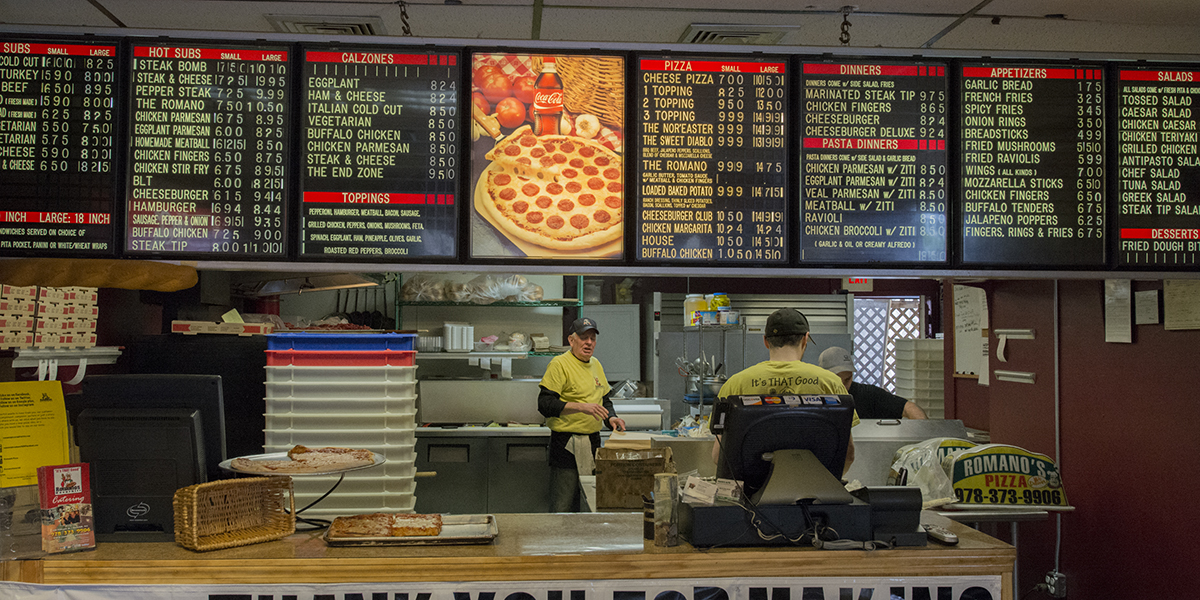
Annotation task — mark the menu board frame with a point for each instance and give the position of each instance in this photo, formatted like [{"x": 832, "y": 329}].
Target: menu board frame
[
  {"x": 286, "y": 149},
  {"x": 958, "y": 151},
  {"x": 115, "y": 179},
  {"x": 484, "y": 227}
]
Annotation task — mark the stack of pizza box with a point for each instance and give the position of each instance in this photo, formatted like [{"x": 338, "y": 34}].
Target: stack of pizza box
[
  {"x": 18, "y": 307},
  {"x": 919, "y": 374},
  {"x": 66, "y": 317},
  {"x": 350, "y": 390}
]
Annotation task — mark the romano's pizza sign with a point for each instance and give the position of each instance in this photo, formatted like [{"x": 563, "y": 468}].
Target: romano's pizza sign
[{"x": 1005, "y": 476}]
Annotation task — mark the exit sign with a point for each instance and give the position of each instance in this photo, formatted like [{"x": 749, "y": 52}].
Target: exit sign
[{"x": 857, "y": 284}]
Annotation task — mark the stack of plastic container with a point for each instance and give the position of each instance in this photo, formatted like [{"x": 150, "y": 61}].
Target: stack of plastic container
[
  {"x": 347, "y": 390},
  {"x": 920, "y": 376}
]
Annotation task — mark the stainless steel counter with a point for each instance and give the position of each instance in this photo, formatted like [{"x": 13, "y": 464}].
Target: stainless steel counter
[{"x": 434, "y": 431}]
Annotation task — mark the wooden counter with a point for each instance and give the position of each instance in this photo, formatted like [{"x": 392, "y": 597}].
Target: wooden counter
[{"x": 533, "y": 547}]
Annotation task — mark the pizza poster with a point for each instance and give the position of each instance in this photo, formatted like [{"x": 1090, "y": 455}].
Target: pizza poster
[
  {"x": 997, "y": 475},
  {"x": 547, "y": 156}
]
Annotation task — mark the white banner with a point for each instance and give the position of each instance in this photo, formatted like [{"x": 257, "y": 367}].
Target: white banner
[{"x": 768, "y": 588}]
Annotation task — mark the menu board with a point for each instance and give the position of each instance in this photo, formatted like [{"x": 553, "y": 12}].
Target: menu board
[
  {"x": 547, "y": 156},
  {"x": 1032, "y": 148},
  {"x": 1158, "y": 214},
  {"x": 712, "y": 173},
  {"x": 58, "y": 120},
  {"x": 380, "y": 154},
  {"x": 209, "y": 144},
  {"x": 873, "y": 163}
]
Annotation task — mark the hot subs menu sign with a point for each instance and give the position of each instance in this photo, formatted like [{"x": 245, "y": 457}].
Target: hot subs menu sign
[
  {"x": 379, "y": 156},
  {"x": 209, "y": 141},
  {"x": 873, "y": 163},
  {"x": 712, "y": 170},
  {"x": 1158, "y": 167},
  {"x": 58, "y": 123}
]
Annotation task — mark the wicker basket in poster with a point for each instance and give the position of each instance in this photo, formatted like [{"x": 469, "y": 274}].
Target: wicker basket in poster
[
  {"x": 594, "y": 85},
  {"x": 234, "y": 512}
]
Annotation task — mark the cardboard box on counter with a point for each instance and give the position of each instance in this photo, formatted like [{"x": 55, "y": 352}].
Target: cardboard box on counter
[
  {"x": 624, "y": 476},
  {"x": 195, "y": 327}
]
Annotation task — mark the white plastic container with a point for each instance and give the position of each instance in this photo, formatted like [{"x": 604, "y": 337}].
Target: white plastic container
[
  {"x": 284, "y": 439},
  {"x": 344, "y": 406},
  {"x": 380, "y": 374},
  {"x": 458, "y": 337},
  {"x": 341, "y": 389},
  {"x": 318, "y": 421}
]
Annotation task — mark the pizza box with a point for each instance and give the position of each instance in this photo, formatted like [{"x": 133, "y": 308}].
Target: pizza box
[
  {"x": 12, "y": 341},
  {"x": 17, "y": 306},
  {"x": 67, "y": 340},
  {"x": 456, "y": 530},
  {"x": 242, "y": 329},
  {"x": 51, "y": 294},
  {"x": 16, "y": 323},
  {"x": 85, "y": 296},
  {"x": 60, "y": 326},
  {"x": 62, "y": 309}
]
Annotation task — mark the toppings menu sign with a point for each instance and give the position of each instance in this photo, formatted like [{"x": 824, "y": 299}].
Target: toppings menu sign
[
  {"x": 380, "y": 155},
  {"x": 1032, "y": 139},
  {"x": 712, "y": 174},
  {"x": 873, "y": 163},
  {"x": 1158, "y": 218},
  {"x": 208, "y": 147},
  {"x": 58, "y": 123}
]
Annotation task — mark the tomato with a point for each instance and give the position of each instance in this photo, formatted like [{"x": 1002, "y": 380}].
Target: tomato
[
  {"x": 496, "y": 87},
  {"x": 482, "y": 72},
  {"x": 510, "y": 112},
  {"x": 478, "y": 100},
  {"x": 523, "y": 89}
]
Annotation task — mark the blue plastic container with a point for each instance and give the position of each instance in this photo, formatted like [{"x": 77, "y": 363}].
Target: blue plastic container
[{"x": 306, "y": 341}]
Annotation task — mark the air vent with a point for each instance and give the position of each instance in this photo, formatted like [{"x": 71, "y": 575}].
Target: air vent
[
  {"x": 327, "y": 25},
  {"x": 754, "y": 35}
]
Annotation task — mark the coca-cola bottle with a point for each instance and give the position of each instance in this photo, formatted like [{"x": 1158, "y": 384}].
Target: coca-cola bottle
[{"x": 547, "y": 99}]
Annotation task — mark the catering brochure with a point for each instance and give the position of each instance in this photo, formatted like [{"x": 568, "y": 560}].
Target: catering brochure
[{"x": 66, "y": 496}]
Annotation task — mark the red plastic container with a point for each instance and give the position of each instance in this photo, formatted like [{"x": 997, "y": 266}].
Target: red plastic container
[{"x": 343, "y": 358}]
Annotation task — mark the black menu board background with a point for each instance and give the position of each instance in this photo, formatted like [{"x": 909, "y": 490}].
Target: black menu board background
[
  {"x": 1157, "y": 168},
  {"x": 1031, "y": 144},
  {"x": 209, "y": 150},
  {"x": 873, "y": 163},
  {"x": 59, "y": 128},
  {"x": 712, "y": 168},
  {"x": 380, "y": 155}
]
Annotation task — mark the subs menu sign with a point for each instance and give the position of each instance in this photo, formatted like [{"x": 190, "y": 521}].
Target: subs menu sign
[
  {"x": 873, "y": 163},
  {"x": 379, "y": 155},
  {"x": 712, "y": 173},
  {"x": 57, "y": 152},
  {"x": 1032, "y": 143},
  {"x": 1158, "y": 163},
  {"x": 209, "y": 141}
]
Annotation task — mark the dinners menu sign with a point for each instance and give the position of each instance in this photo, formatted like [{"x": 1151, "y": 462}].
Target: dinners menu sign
[
  {"x": 873, "y": 163},
  {"x": 379, "y": 155},
  {"x": 209, "y": 146},
  {"x": 1032, "y": 140},
  {"x": 712, "y": 182},
  {"x": 58, "y": 116}
]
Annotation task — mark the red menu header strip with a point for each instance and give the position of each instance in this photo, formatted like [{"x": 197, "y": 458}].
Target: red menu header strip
[
  {"x": 181, "y": 53},
  {"x": 866, "y": 144},
  {"x": 861, "y": 70},
  {"x": 1028, "y": 73},
  {"x": 711, "y": 66},
  {"x": 377, "y": 198},
  {"x": 66, "y": 218},
  {"x": 370, "y": 58},
  {"x": 1163, "y": 76},
  {"x": 57, "y": 49},
  {"x": 1160, "y": 234}
]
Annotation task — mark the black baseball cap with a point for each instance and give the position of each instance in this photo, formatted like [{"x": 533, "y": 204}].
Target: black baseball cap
[
  {"x": 786, "y": 321},
  {"x": 583, "y": 324}
]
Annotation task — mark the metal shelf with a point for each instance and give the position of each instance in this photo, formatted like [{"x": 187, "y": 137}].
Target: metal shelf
[
  {"x": 466, "y": 355},
  {"x": 544, "y": 303}
]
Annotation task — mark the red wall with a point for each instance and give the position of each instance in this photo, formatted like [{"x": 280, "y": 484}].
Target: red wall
[{"x": 1128, "y": 420}]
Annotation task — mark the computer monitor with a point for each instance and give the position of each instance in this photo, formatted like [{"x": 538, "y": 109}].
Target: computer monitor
[{"x": 785, "y": 449}]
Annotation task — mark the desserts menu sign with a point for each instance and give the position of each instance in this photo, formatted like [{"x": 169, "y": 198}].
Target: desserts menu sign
[
  {"x": 712, "y": 172},
  {"x": 209, "y": 145},
  {"x": 873, "y": 163},
  {"x": 58, "y": 126},
  {"x": 1033, "y": 165},
  {"x": 379, "y": 155}
]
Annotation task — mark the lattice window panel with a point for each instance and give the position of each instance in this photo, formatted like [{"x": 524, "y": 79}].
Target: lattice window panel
[
  {"x": 904, "y": 321},
  {"x": 877, "y": 324}
]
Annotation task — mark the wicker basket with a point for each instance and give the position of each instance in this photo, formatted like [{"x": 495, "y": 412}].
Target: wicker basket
[
  {"x": 234, "y": 512},
  {"x": 594, "y": 85}
]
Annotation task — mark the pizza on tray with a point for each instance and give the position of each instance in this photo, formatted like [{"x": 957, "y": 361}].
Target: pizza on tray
[
  {"x": 557, "y": 191},
  {"x": 386, "y": 525},
  {"x": 302, "y": 459}
]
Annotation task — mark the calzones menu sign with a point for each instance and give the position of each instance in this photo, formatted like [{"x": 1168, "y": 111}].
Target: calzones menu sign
[
  {"x": 209, "y": 146},
  {"x": 380, "y": 154},
  {"x": 873, "y": 164},
  {"x": 58, "y": 123},
  {"x": 712, "y": 172}
]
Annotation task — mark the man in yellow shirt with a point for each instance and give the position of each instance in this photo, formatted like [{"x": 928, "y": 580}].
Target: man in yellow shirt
[
  {"x": 786, "y": 338},
  {"x": 575, "y": 399}
]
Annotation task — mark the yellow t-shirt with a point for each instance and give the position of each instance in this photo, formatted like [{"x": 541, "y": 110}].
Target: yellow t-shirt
[
  {"x": 575, "y": 381},
  {"x": 778, "y": 377}
]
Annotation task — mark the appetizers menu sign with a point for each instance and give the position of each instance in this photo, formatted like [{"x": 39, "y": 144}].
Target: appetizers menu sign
[
  {"x": 873, "y": 182},
  {"x": 58, "y": 122},
  {"x": 712, "y": 183},
  {"x": 379, "y": 155},
  {"x": 208, "y": 151}
]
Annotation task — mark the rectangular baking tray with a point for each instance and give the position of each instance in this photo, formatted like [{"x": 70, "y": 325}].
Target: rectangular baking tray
[{"x": 456, "y": 529}]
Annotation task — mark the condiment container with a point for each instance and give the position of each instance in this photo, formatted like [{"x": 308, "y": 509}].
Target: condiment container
[{"x": 692, "y": 305}]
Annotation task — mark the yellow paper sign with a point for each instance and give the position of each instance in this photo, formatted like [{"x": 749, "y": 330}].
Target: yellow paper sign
[{"x": 33, "y": 430}]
